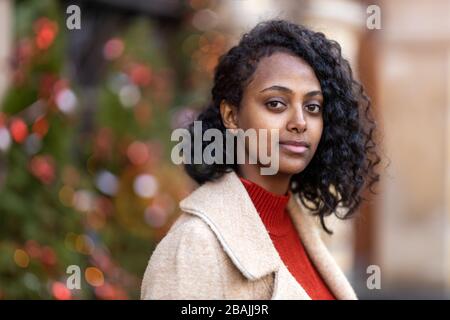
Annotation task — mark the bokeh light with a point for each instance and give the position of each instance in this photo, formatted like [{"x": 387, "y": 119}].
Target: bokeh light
[
  {"x": 40, "y": 126},
  {"x": 107, "y": 182},
  {"x": 138, "y": 153},
  {"x": 33, "y": 248},
  {"x": 66, "y": 194},
  {"x": 5, "y": 139},
  {"x": 33, "y": 144},
  {"x": 19, "y": 130},
  {"x": 48, "y": 256},
  {"x": 60, "y": 291},
  {"x": 113, "y": 49},
  {"x": 145, "y": 185},
  {"x": 66, "y": 100},
  {"x": 46, "y": 31},
  {"x": 43, "y": 168},
  {"x": 83, "y": 200},
  {"x": 21, "y": 258},
  {"x": 94, "y": 276},
  {"x": 129, "y": 95}
]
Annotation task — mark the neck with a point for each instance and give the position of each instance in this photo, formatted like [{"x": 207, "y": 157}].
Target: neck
[{"x": 277, "y": 184}]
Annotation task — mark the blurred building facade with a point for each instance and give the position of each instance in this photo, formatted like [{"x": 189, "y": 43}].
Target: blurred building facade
[
  {"x": 5, "y": 42},
  {"x": 413, "y": 90}
]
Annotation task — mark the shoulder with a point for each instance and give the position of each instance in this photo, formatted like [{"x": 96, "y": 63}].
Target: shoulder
[
  {"x": 188, "y": 232},
  {"x": 186, "y": 262}
]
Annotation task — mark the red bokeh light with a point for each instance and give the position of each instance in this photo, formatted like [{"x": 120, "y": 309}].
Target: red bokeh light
[
  {"x": 60, "y": 292},
  {"x": 141, "y": 74},
  {"x": 110, "y": 292},
  {"x": 113, "y": 49},
  {"x": 42, "y": 167},
  {"x": 138, "y": 153},
  {"x": 40, "y": 126},
  {"x": 19, "y": 130},
  {"x": 46, "y": 31},
  {"x": 48, "y": 256},
  {"x": 33, "y": 249}
]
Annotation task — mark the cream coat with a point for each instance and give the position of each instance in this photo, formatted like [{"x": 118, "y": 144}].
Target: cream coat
[{"x": 219, "y": 249}]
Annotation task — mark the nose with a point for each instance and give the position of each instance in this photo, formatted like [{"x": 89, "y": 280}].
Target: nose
[{"x": 297, "y": 121}]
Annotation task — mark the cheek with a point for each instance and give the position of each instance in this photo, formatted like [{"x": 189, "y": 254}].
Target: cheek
[{"x": 253, "y": 114}]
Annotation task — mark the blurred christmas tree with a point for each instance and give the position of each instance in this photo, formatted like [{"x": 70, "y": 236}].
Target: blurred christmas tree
[{"x": 85, "y": 171}]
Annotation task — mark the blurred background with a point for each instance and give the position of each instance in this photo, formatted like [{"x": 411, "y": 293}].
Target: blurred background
[{"x": 86, "y": 116}]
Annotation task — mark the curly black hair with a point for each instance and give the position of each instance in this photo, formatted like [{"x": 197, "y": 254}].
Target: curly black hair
[{"x": 346, "y": 155}]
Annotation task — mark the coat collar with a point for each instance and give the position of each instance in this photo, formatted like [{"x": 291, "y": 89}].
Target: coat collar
[{"x": 228, "y": 210}]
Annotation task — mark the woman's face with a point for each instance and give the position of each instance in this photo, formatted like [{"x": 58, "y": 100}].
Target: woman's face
[{"x": 285, "y": 94}]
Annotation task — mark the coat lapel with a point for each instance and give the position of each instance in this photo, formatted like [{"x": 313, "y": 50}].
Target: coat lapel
[
  {"x": 307, "y": 227},
  {"x": 228, "y": 210}
]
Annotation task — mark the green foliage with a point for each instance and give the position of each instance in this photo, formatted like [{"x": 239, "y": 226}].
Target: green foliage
[{"x": 41, "y": 226}]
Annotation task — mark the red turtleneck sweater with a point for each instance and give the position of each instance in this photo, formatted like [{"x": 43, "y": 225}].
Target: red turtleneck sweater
[{"x": 272, "y": 209}]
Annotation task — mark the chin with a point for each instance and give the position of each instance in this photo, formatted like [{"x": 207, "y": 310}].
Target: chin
[{"x": 291, "y": 167}]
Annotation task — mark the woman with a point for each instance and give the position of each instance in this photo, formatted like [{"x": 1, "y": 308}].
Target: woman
[{"x": 245, "y": 235}]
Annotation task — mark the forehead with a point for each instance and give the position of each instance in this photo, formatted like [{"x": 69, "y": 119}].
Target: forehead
[{"x": 284, "y": 69}]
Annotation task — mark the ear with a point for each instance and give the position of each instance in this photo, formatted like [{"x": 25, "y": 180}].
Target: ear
[{"x": 229, "y": 115}]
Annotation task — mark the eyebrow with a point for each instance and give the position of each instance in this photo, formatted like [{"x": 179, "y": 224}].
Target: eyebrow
[{"x": 287, "y": 90}]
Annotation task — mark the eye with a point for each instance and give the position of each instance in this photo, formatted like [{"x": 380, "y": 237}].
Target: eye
[
  {"x": 275, "y": 104},
  {"x": 314, "y": 108}
]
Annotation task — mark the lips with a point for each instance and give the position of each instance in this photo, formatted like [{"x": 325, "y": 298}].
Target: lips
[{"x": 295, "y": 146}]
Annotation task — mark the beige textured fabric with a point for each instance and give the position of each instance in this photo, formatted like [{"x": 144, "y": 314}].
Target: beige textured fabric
[{"x": 219, "y": 249}]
